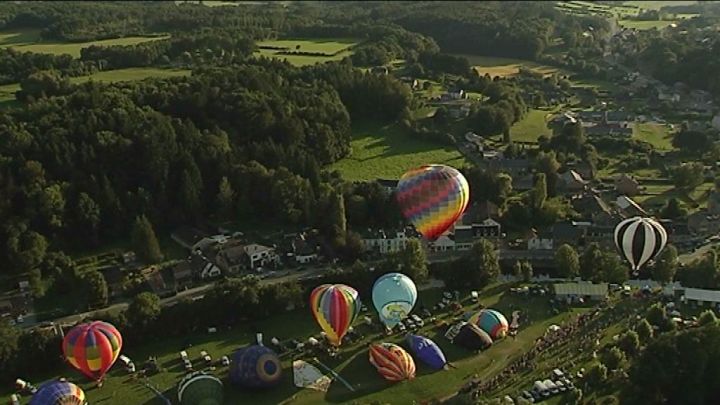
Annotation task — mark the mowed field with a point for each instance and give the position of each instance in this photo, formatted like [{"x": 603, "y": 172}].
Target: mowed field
[
  {"x": 384, "y": 152},
  {"x": 352, "y": 364},
  {"x": 333, "y": 49},
  {"x": 29, "y": 41},
  {"x": 504, "y": 67},
  {"x": 531, "y": 126}
]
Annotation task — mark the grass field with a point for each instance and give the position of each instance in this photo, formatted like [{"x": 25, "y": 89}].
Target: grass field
[
  {"x": 334, "y": 49},
  {"x": 656, "y": 134},
  {"x": 645, "y": 25},
  {"x": 7, "y": 92},
  {"x": 531, "y": 127},
  {"x": 504, "y": 67},
  {"x": 384, "y": 152},
  {"x": 29, "y": 41},
  {"x": 353, "y": 364}
]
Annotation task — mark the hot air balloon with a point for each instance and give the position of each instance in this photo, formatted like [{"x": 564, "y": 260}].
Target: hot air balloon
[
  {"x": 394, "y": 296},
  {"x": 639, "y": 240},
  {"x": 255, "y": 367},
  {"x": 491, "y": 321},
  {"x": 58, "y": 393},
  {"x": 432, "y": 198},
  {"x": 426, "y": 351},
  {"x": 92, "y": 348},
  {"x": 392, "y": 362},
  {"x": 335, "y": 307},
  {"x": 472, "y": 337},
  {"x": 200, "y": 388}
]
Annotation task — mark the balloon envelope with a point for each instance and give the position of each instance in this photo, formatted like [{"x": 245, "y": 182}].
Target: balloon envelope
[
  {"x": 335, "y": 308},
  {"x": 639, "y": 240},
  {"x": 473, "y": 338},
  {"x": 432, "y": 198},
  {"x": 200, "y": 388},
  {"x": 392, "y": 362},
  {"x": 255, "y": 367},
  {"x": 426, "y": 351},
  {"x": 491, "y": 322},
  {"x": 58, "y": 393},
  {"x": 394, "y": 296},
  {"x": 92, "y": 348}
]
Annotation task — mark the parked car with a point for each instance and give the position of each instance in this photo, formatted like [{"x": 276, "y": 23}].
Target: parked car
[
  {"x": 561, "y": 386},
  {"x": 551, "y": 386},
  {"x": 557, "y": 374}
]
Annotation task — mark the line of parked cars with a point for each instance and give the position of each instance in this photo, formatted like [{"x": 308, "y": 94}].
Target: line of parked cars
[
  {"x": 412, "y": 322},
  {"x": 541, "y": 390}
]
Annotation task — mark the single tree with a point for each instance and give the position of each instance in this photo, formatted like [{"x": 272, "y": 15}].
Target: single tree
[
  {"x": 143, "y": 309},
  {"x": 539, "y": 191},
  {"x": 591, "y": 263},
  {"x": 413, "y": 261},
  {"x": 663, "y": 270},
  {"x": 145, "y": 242},
  {"x": 629, "y": 343},
  {"x": 613, "y": 358},
  {"x": 567, "y": 261},
  {"x": 644, "y": 331},
  {"x": 97, "y": 289},
  {"x": 481, "y": 264},
  {"x": 707, "y": 317},
  {"x": 526, "y": 270}
]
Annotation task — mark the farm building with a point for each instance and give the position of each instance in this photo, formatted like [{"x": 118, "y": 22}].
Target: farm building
[
  {"x": 571, "y": 291},
  {"x": 702, "y": 297}
]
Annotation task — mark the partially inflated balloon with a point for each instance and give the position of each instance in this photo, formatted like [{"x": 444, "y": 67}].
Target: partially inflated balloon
[
  {"x": 394, "y": 296},
  {"x": 427, "y": 351},
  {"x": 58, "y": 393},
  {"x": 200, "y": 388},
  {"x": 335, "y": 308},
  {"x": 491, "y": 321},
  {"x": 432, "y": 197},
  {"x": 392, "y": 362},
  {"x": 255, "y": 367},
  {"x": 92, "y": 348}
]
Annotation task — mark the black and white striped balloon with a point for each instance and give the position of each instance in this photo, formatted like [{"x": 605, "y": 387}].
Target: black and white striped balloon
[{"x": 639, "y": 240}]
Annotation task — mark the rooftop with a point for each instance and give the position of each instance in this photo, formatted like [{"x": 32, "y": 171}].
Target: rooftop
[
  {"x": 581, "y": 289},
  {"x": 698, "y": 294}
]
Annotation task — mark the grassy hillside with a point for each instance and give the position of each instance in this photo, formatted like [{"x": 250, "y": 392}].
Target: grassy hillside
[
  {"x": 384, "y": 152},
  {"x": 504, "y": 67}
]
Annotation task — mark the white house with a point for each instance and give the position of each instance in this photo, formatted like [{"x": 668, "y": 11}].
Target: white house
[
  {"x": 540, "y": 242},
  {"x": 383, "y": 243},
  {"x": 259, "y": 255},
  {"x": 441, "y": 244},
  {"x": 716, "y": 122}
]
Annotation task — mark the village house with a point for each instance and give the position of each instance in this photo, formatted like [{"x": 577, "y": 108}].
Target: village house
[
  {"x": 703, "y": 223},
  {"x": 514, "y": 167},
  {"x": 626, "y": 184},
  {"x": 629, "y": 207},
  {"x": 182, "y": 274},
  {"x": 234, "y": 256},
  {"x": 572, "y": 233},
  {"x": 301, "y": 248},
  {"x": 571, "y": 181},
  {"x": 382, "y": 242},
  {"x": 188, "y": 237},
  {"x": 114, "y": 278},
  {"x": 539, "y": 240},
  {"x": 593, "y": 208}
]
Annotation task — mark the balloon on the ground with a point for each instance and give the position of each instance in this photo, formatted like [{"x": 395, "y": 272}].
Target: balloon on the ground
[
  {"x": 335, "y": 307},
  {"x": 92, "y": 348},
  {"x": 200, "y": 388},
  {"x": 639, "y": 240},
  {"x": 426, "y": 351},
  {"x": 255, "y": 367},
  {"x": 472, "y": 337},
  {"x": 305, "y": 375},
  {"x": 491, "y": 321},
  {"x": 58, "y": 393},
  {"x": 392, "y": 362},
  {"x": 432, "y": 198},
  {"x": 394, "y": 296}
]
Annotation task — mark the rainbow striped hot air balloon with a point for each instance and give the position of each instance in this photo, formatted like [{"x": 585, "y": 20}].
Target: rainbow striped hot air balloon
[
  {"x": 58, "y": 393},
  {"x": 432, "y": 197},
  {"x": 92, "y": 348},
  {"x": 392, "y": 362},
  {"x": 335, "y": 307}
]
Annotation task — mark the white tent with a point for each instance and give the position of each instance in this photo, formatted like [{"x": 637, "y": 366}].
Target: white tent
[
  {"x": 312, "y": 341},
  {"x": 553, "y": 328}
]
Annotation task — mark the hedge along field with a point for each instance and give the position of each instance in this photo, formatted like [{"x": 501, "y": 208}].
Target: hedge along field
[{"x": 29, "y": 41}]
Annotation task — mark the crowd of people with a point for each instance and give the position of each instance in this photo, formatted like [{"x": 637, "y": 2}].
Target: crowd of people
[{"x": 586, "y": 330}]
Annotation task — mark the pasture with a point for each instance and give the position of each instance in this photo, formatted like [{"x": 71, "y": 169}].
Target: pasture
[
  {"x": 531, "y": 126},
  {"x": 385, "y": 152},
  {"x": 321, "y": 50},
  {"x": 29, "y": 41},
  {"x": 352, "y": 364},
  {"x": 130, "y": 74},
  {"x": 505, "y": 67},
  {"x": 658, "y": 135}
]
